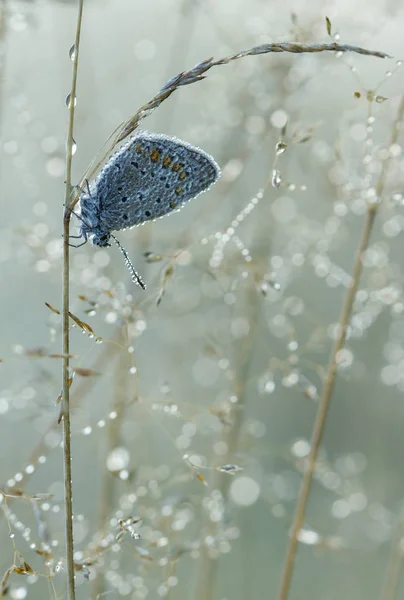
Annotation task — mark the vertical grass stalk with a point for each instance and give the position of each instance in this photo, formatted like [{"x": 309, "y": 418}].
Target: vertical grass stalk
[
  {"x": 66, "y": 341},
  {"x": 395, "y": 567},
  {"x": 329, "y": 383}
]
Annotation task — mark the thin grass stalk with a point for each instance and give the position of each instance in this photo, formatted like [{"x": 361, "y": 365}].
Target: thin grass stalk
[
  {"x": 394, "y": 567},
  {"x": 329, "y": 384},
  {"x": 66, "y": 341}
]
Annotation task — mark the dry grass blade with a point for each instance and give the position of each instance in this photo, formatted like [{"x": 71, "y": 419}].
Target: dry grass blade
[
  {"x": 3, "y": 582},
  {"x": 55, "y": 310},
  {"x": 82, "y": 324},
  {"x": 86, "y": 372}
]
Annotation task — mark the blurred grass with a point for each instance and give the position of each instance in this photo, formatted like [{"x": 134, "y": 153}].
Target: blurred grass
[{"x": 230, "y": 364}]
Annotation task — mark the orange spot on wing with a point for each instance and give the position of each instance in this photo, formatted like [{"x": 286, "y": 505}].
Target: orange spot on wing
[
  {"x": 167, "y": 162},
  {"x": 155, "y": 156}
]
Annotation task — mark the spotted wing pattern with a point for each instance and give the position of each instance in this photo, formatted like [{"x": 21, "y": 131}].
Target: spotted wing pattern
[{"x": 149, "y": 177}]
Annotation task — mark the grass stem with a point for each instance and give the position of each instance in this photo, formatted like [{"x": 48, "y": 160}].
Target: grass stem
[
  {"x": 66, "y": 340},
  {"x": 394, "y": 568},
  {"x": 329, "y": 383}
]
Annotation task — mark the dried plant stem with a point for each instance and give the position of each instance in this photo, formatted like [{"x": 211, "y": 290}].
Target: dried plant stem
[
  {"x": 329, "y": 383},
  {"x": 66, "y": 342},
  {"x": 394, "y": 567},
  {"x": 323, "y": 408}
]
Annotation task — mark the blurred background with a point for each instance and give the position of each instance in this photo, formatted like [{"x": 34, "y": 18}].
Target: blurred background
[{"x": 194, "y": 401}]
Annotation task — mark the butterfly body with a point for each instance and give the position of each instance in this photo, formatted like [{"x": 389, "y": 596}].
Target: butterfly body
[{"x": 149, "y": 177}]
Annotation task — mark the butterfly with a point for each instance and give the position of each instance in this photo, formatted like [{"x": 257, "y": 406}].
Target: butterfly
[{"x": 150, "y": 176}]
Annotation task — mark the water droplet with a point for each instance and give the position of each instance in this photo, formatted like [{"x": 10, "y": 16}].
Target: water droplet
[
  {"x": 269, "y": 386},
  {"x": 74, "y": 147},
  {"x": 301, "y": 448},
  {"x": 55, "y": 166},
  {"x": 18, "y": 593},
  {"x": 72, "y": 52},
  {"x": 231, "y": 469},
  {"x": 244, "y": 491},
  {"x": 395, "y": 150},
  {"x": 398, "y": 197},
  {"x": 308, "y": 537},
  {"x": 344, "y": 358},
  {"x": 380, "y": 99},
  {"x": 279, "y": 118},
  {"x": 68, "y": 101},
  {"x": 276, "y": 179},
  {"x": 280, "y": 148},
  {"x": 118, "y": 459}
]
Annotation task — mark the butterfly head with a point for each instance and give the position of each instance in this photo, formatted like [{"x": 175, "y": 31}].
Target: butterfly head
[{"x": 101, "y": 239}]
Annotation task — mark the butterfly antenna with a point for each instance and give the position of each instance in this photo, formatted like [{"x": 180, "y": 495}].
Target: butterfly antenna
[{"x": 134, "y": 275}]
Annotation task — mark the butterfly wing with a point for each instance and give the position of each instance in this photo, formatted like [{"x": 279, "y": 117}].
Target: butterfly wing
[{"x": 149, "y": 177}]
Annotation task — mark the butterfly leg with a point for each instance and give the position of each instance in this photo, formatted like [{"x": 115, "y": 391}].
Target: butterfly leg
[{"x": 77, "y": 245}]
